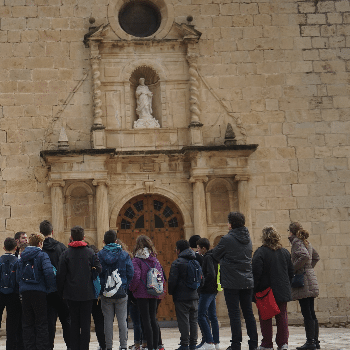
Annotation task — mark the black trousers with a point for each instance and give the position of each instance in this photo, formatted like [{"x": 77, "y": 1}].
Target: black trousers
[
  {"x": 80, "y": 314},
  {"x": 13, "y": 306},
  {"x": 34, "y": 320},
  {"x": 307, "y": 308},
  {"x": 97, "y": 315},
  {"x": 56, "y": 306},
  {"x": 148, "y": 311}
]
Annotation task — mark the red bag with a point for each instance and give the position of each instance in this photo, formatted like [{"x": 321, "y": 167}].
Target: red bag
[{"x": 266, "y": 304}]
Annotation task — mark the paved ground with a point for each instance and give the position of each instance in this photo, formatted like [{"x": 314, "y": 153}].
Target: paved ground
[{"x": 331, "y": 339}]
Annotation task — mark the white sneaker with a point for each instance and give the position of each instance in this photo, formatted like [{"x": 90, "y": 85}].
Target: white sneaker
[
  {"x": 207, "y": 346},
  {"x": 262, "y": 348},
  {"x": 283, "y": 347},
  {"x": 217, "y": 346}
]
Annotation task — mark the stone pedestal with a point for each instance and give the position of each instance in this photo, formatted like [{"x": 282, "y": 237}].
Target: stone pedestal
[
  {"x": 57, "y": 206},
  {"x": 199, "y": 208},
  {"x": 102, "y": 221}
]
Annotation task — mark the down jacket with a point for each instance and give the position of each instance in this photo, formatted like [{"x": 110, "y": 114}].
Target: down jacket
[
  {"x": 273, "y": 268},
  {"x": 234, "y": 252},
  {"x": 45, "y": 274},
  {"x": 304, "y": 259},
  {"x": 210, "y": 272}
]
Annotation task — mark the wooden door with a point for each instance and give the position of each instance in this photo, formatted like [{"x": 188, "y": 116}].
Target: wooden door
[{"x": 158, "y": 218}]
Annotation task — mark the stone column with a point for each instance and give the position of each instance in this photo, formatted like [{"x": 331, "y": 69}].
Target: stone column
[
  {"x": 243, "y": 198},
  {"x": 102, "y": 222},
  {"x": 199, "y": 208},
  {"x": 57, "y": 207}
]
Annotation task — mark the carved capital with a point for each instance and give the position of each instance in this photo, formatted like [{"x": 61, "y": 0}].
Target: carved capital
[
  {"x": 242, "y": 177},
  {"x": 192, "y": 58},
  {"x": 199, "y": 178},
  {"x": 100, "y": 182},
  {"x": 56, "y": 183}
]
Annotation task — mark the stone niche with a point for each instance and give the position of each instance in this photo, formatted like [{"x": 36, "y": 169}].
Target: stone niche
[{"x": 119, "y": 60}]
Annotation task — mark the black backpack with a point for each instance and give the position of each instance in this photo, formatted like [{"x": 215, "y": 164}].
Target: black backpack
[
  {"x": 194, "y": 274},
  {"x": 7, "y": 276},
  {"x": 30, "y": 271}
]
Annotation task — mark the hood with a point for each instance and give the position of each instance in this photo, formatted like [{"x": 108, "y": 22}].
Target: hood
[
  {"x": 110, "y": 253},
  {"x": 77, "y": 244},
  {"x": 188, "y": 254},
  {"x": 143, "y": 253},
  {"x": 241, "y": 234},
  {"x": 30, "y": 253},
  {"x": 50, "y": 244},
  {"x": 292, "y": 238},
  {"x": 209, "y": 252}
]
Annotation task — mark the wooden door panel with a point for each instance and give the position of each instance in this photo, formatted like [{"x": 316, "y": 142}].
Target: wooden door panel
[{"x": 163, "y": 223}]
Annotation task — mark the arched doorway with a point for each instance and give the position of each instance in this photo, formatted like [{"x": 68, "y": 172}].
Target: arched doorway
[{"x": 160, "y": 219}]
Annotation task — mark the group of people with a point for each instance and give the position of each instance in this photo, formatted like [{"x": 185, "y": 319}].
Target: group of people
[{"x": 42, "y": 279}]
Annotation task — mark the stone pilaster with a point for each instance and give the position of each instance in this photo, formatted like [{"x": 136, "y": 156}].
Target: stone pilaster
[
  {"x": 57, "y": 207},
  {"x": 102, "y": 221},
  {"x": 199, "y": 207},
  {"x": 98, "y": 132},
  {"x": 243, "y": 198}
]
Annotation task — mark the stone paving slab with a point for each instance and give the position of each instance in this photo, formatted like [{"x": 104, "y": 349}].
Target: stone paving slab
[{"x": 331, "y": 339}]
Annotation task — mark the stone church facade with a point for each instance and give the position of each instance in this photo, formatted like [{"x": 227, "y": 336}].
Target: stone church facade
[{"x": 250, "y": 111}]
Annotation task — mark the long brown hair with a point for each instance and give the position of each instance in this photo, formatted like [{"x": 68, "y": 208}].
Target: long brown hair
[
  {"x": 296, "y": 229},
  {"x": 143, "y": 241},
  {"x": 271, "y": 238}
]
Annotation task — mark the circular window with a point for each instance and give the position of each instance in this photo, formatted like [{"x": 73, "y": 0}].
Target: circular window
[{"x": 140, "y": 18}]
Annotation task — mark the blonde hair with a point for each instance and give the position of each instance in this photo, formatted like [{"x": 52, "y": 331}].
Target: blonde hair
[
  {"x": 271, "y": 238},
  {"x": 296, "y": 229},
  {"x": 144, "y": 242},
  {"x": 35, "y": 239}
]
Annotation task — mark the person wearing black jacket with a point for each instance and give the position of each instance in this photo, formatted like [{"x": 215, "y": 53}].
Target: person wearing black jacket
[
  {"x": 185, "y": 298},
  {"x": 207, "y": 297},
  {"x": 56, "y": 306},
  {"x": 272, "y": 267},
  {"x": 234, "y": 252},
  {"x": 76, "y": 268}
]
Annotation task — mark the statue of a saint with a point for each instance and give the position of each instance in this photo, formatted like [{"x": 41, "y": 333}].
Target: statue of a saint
[{"x": 144, "y": 107}]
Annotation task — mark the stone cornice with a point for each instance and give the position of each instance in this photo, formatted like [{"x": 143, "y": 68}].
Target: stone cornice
[{"x": 56, "y": 183}]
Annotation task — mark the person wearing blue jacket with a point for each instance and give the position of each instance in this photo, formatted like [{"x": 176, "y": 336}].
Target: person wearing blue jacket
[
  {"x": 113, "y": 257},
  {"x": 9, "y": 297},
  {"x": 36, "y": 277}
]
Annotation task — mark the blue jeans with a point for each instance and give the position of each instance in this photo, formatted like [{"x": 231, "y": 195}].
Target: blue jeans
[
  {"x": 207, "y": 305},
  {"x": 243, "y": 297},
  {"x": 136, "y": 320}
]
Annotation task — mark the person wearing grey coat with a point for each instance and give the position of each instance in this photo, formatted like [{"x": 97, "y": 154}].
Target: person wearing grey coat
[
  {"x": 234, "y": 253},
  {"x": 304, "y": 258}
]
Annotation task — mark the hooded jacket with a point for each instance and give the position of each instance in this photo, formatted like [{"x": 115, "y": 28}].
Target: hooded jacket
[
  {"x": 210, "y": 272},
  {"x": 234, "y": 252},
  {"x": 273, "y": 268},
  {"x": 112, "y": 257},
  {"x": 54, "y": 249},
  {"x": 304, "y": 260},
  {"x": 178, "y": 276},
  {"x": 75, "y": 272},
  {"x": 45, "y": 274},
  {"x": 138, "y": 283}
]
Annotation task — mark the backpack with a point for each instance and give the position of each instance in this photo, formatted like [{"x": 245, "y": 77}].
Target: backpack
[
  {"x": 7, "y": 276},
  {"x": 155, "y": 281},
  {"x": 30, "y": 271},
  {"x": 113, "y": 287},
  {"x": 194, "y": 274}
]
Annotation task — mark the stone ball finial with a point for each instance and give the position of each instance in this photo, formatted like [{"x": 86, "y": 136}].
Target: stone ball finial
[
  {"x": 189, "y": 18},
  {"x": 91, "y": 20}
]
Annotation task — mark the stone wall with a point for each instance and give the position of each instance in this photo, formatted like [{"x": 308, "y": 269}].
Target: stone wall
[{"x": 281, "y": 66}]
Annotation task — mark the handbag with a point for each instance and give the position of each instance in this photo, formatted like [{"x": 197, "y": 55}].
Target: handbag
[
  {"x": 266, "y": 304},
  {"x": 298, "y": 280}
]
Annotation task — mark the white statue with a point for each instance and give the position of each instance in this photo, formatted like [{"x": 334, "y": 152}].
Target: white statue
[{"x": 144, "y": 107}]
